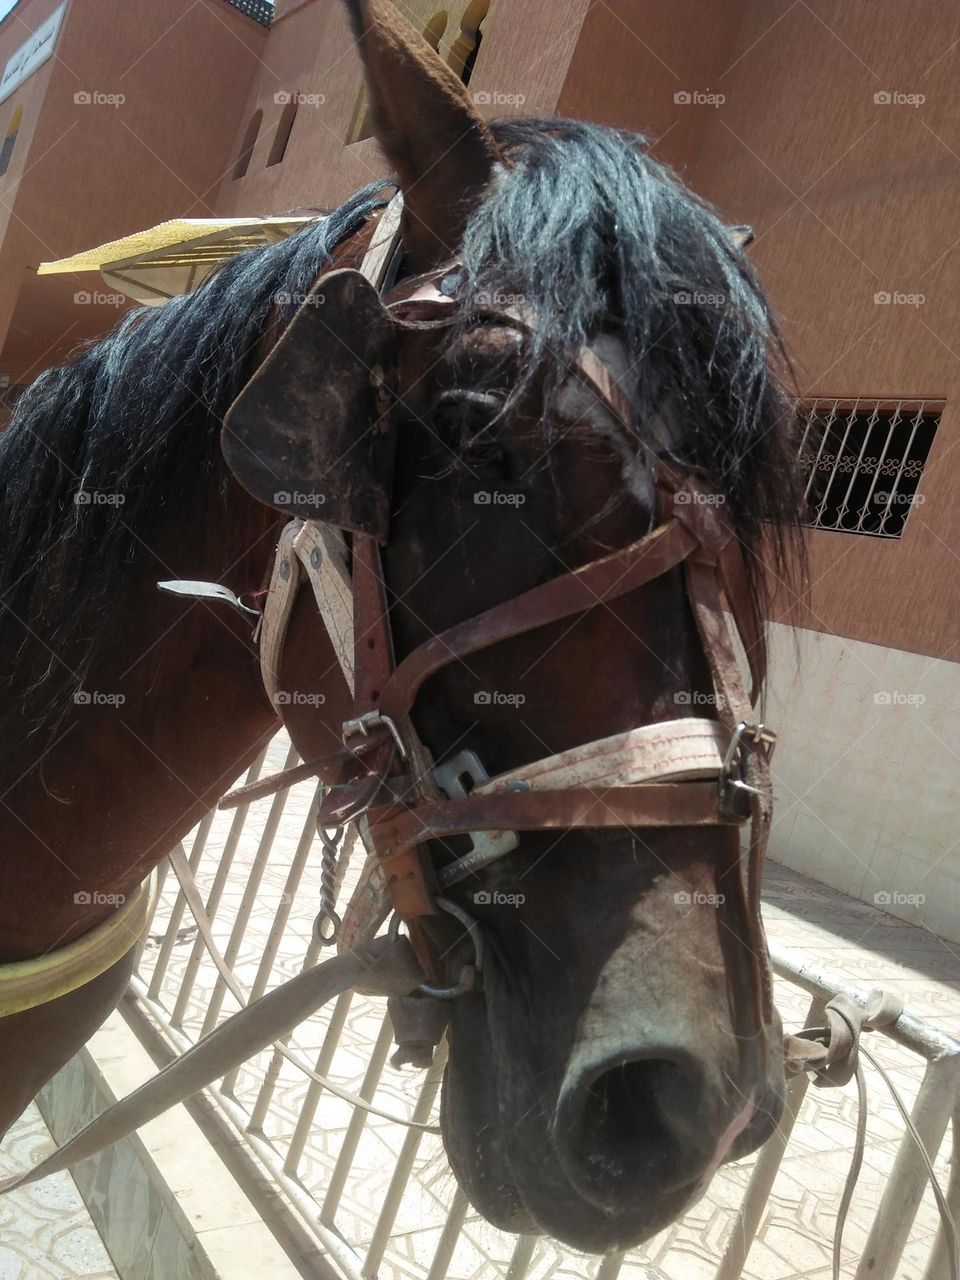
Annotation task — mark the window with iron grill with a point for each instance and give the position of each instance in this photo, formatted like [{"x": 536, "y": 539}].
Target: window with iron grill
[{"x": 863, "y": 461}]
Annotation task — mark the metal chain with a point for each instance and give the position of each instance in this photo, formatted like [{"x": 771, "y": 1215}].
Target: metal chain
[{"x": 326, "y": 927}]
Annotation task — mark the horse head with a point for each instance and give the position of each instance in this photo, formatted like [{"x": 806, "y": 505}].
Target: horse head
[{"x": 575, "y": 368}]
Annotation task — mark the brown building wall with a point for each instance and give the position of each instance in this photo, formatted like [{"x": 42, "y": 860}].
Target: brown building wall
[
  {"x": 85, "y": 172},
  {"x": 633, "y": 61},
  {"x": 851, "y": 197},
  {"x": 525, "y": 56}
]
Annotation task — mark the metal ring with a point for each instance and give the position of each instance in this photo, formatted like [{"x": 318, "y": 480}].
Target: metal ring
[
  {"x": 326, "y": 939},
  {"x": 470, "y": 973}
]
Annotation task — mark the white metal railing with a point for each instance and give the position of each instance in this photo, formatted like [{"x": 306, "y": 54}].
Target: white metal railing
[{"x": 379, "y": 1198}]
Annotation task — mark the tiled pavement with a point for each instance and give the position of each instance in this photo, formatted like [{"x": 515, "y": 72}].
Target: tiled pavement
[
  {"x": 794, "y": 1241},
  {"x": 45, "y": 1231}
]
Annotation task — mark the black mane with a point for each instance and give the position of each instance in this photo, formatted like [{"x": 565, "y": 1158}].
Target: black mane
[
  {"x": 136, "y": 414},
  {"x": 587, "y": 228}
]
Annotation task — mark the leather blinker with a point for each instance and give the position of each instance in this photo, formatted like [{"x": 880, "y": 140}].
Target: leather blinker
[{"x": 313, "y": 433}]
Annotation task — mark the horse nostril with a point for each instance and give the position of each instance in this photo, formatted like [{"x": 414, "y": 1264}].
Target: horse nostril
[{"x": 633, "y": 1129}]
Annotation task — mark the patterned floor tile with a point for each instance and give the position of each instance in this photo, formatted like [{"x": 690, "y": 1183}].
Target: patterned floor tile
[{"x": 45, "y": 1231}]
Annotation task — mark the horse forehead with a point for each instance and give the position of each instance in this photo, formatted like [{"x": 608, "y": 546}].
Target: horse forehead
[{"x": 578, "y": 402}]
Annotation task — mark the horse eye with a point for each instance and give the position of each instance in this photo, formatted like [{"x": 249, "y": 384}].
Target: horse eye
[
  {"x": 465, "y": 414},
  {"x": 480, "y": 402}
]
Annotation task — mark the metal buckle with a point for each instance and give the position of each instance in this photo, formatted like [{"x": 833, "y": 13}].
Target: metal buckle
[
  {"x": 486, "y": 846},
  {"x": 735, "y": 795},
  {"x": 470, "y": 974},
  {"x": 372, "y": 720}
]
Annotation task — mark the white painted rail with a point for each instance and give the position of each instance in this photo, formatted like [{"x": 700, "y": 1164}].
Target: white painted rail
[{"x": 379, "y": 1199}]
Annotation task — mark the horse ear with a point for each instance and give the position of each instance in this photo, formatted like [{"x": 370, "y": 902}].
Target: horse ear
[
  {"x": 742, "y": 237},
  {"x": 442, "y": 152}
]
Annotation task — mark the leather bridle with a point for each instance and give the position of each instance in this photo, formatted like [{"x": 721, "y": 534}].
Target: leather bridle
[
  {"x": 386, "y": 774},
  {"x": 689, "y": 772}
]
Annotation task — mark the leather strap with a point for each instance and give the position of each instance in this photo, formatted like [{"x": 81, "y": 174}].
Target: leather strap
[
  {"x": 385, "y": 967},
  {"x": 596, "y": 583},
  {"x": 678, "y": 749},
  {"x": 284, "y": 583},
  {"x": 683, "y": 804},
  {"x": 188, "y": 886},
  {"x": 25, "y": 984},
  {"x": 318, "y": 553}
]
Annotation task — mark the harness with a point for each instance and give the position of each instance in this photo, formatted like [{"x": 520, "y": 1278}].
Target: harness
[
  {"x": 685, "y": 772},
  {"x": 24, "y": 984}
]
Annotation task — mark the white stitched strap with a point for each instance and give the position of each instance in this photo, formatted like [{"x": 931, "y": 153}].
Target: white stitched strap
[
  {"x": 680, "y": 749},
  {"x": 383, "y": 244},
  {"x": 318, "y": 552},
  {"x": 322, "y": 553},
  {"x": 277, "y": 609}
]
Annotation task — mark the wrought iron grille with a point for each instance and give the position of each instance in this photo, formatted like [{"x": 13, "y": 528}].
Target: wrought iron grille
[
  {"x": 259, "y": 10},
  {"x": 864, "y": 461}
]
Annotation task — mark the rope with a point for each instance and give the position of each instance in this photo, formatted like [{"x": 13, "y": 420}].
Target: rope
[
  {"x": 181, "y": 869},
  {"x": 383, "y": 968},
  {"x": 946, "y": 1217}
]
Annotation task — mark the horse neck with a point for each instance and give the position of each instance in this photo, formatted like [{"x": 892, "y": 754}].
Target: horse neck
[{"x": 177, "y": 711}]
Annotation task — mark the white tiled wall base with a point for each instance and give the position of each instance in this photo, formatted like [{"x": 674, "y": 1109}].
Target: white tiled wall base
[{"x": 867, "y": 773}]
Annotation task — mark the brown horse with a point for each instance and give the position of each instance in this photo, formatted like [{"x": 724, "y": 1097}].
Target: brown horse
[{"x": 614, "y": 1056}]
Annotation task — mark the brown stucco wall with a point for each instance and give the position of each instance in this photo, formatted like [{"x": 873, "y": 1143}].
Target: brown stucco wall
[
  {"x": 84, "y": 173},
  {"x": 525, "y": 56},
  {"x": 634, "y": 60},
  {"x": 851, "y": 197}
]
